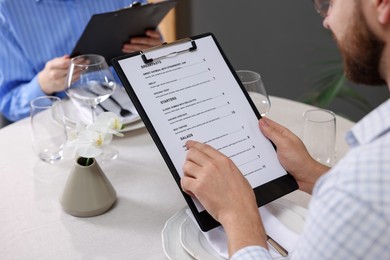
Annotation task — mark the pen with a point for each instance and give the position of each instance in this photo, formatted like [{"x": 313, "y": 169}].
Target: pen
[{"x": 277, "y": 246}]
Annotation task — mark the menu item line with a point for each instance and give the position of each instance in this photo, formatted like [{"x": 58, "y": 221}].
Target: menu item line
[
  {"x": 254, "y": 171},
  {"x": 232, "y": 144},
  {"x": 188, "y": 104},
  {"x": 162, "y": 94},
  {"x": 250, "y": 161},
  {"x": 193, "y": 115},
  {"x": 206, "y": 122}
]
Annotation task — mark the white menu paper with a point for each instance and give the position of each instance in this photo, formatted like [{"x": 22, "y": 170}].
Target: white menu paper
[{"x": 194, "y": 95}]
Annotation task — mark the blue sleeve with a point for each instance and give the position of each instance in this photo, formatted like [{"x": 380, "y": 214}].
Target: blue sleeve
[
  {"x": 18, "y": 83},
  {"x": 15, "y": 99}
]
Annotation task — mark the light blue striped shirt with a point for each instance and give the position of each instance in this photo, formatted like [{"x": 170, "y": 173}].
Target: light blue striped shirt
[
  {"x": 33, "y": 32},
  {"x": 349, "y": 213}
]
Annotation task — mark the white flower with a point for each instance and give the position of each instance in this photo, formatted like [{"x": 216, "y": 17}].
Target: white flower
[
  {"x": 90, "y": 140},
  {"x": 107, "y": 122}
]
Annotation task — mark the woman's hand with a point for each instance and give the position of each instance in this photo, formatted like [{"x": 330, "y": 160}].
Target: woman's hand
[
  {"x": 152, "y": 38},
  {"x": 53, "y": 76}
]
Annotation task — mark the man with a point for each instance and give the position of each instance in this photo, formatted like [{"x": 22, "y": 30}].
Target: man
[
  {"x": 36, "y": 38},
  {"x": 349, "y": 213}
]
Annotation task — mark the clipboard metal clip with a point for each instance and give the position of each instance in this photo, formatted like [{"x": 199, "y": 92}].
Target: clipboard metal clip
[
  {"x": 169, "y": 55},
  {"x": 136, "y": 3}
]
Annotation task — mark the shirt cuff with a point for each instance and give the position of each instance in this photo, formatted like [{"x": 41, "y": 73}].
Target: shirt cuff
[
  {"x": 251, "y": 253},
  {"x": 34, "y": 88}
]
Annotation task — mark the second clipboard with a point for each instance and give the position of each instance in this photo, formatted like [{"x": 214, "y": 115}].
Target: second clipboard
[{"x": 105, "y": 33}]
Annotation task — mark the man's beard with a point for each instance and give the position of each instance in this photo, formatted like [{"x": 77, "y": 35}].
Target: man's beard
[{"x": 362, "y": 51}]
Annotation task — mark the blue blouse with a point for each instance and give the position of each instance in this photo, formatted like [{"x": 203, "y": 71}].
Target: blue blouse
[{"x": 33, "y": 32}]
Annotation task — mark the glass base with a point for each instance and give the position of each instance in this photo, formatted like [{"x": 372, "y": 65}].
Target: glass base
[{"x": 50, "y": 157}]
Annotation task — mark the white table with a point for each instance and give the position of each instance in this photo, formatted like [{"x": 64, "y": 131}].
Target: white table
[{"x": 33, "y": 225}]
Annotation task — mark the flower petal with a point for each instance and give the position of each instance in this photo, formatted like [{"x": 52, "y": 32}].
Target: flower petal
[
  {"x": 90, "y": 139},
  {"x": 89, "y": 151},
  {"x": 110, "y": 120}
]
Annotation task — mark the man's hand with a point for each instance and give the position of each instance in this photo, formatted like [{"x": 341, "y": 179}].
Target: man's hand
[
  {"x": 209, "y": 175},
  {"x": 53, "y": 76},
  {"x": 225, "y": 193},
  {"x": 153, "y": 38},
  {"x": 293, "y": 154}
]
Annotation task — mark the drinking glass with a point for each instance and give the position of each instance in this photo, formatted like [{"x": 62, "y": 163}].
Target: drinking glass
[
  {"x": 48, "y": 134},
  {"x": 89, "y": 81},
  {"x": 319, "y": 134},
  {"x": 256, "y": 90}
]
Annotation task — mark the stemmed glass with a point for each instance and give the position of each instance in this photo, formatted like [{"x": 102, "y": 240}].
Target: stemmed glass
[
  {"x": 256, "y": 90},
  {"x": 89, "y": 81},
  {"x": 319, "y": 134}
]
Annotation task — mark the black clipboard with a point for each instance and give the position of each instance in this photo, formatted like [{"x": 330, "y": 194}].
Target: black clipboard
[
  {"x": 266, "y": 192},
  {"x": 105, "y": 33}
]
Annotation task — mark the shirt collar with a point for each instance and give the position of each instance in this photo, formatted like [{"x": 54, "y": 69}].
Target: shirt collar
[{"x": 372, "y": 126}]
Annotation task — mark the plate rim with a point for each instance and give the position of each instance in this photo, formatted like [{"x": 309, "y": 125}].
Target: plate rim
[
  {"x": 177, "y": 216},
  {"x": 189, "y": 222}
]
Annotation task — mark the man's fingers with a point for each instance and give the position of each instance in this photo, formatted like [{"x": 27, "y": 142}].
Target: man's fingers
[
  {"x": 191, "y": 169},
  {"x": 204, "y": 148},
  {"x": 187, "y": 184},
  {"x": 272, "y": 130},
  {"x": 197, "y": 156}
]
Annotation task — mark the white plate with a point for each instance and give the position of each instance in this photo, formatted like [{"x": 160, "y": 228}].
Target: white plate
[
  {"x": 171, "y": 237},
  {"x": 290, "y": 214},
  {"x": 120, "y": 96},
  {"x": 136, "y": 124},
  {"x": 75, "y": 113},
  {"x": 195, "y": 243}
]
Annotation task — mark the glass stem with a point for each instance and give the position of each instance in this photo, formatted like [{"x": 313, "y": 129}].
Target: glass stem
[{"x": 93, "y": 110}]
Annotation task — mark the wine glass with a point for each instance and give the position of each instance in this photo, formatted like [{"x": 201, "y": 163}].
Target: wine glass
[
  {"x": 89, "y": 81},
  {"x": 319, "y": 134},
  {"x": 256, "y": 90}
]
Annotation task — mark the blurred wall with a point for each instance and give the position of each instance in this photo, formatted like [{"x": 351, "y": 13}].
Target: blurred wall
[{"x": 283, "y": 40}]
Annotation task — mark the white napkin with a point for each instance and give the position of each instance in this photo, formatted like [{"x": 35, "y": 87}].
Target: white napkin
[
  {"x": 273, "y": 227},
  {"x": 120, "y": 95}
]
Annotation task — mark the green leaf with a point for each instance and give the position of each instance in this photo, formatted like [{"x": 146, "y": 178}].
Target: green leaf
[
  {"x": 330, "y": 83},
  {"x": 340, "y": 83},
  {"x": 325, "y": 97},
  {"x": 356, "y": 99},
  {"x": 335, "y": 62}
]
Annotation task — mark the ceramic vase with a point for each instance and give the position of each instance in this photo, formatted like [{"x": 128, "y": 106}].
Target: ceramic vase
[{"x": 87, "y": 192}]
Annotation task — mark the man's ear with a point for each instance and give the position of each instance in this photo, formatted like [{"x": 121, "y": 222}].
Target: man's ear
[{"x": 383, "y": 9}]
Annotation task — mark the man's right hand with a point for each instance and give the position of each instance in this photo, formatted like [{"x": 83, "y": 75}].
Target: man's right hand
[
  {"x": 293, "y": 155},
  {"x": 52, "y": 78}
]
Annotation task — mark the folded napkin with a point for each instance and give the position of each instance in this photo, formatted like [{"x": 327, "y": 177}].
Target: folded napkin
[
  {"x": 273, "y": 226},
  {"x": 120, "y": 95}
]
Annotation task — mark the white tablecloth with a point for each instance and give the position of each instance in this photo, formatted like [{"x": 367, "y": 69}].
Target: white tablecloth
[{"x": 33, "y": 225}]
